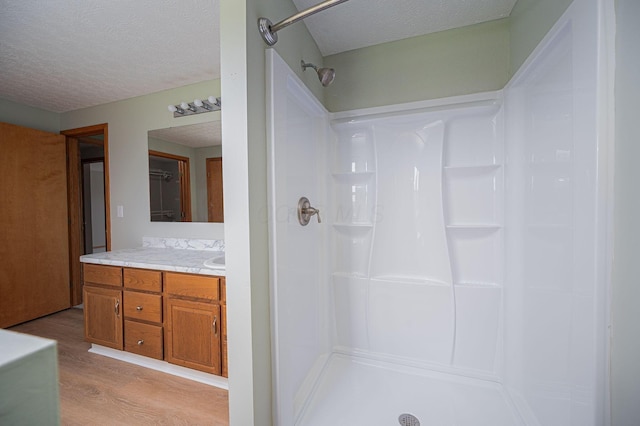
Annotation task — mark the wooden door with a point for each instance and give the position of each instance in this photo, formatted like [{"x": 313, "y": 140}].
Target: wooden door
[
  {"x": 193, "y": 335},
  {"x": 103, "y": 316},
  {"x": 34, "y": 262},
  {"x": 215, "y": 199}
]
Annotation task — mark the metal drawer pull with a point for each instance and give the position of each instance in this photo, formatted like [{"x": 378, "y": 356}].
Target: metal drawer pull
[
  {"x": 138, "y": 308},
  {"x": 140, "y": 341},
  {"x": 117, "y": 308},
  {"x": 215, "y": 325}
]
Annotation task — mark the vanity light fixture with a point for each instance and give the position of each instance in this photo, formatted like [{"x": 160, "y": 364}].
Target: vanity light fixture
[
  {"x": 185, "y": 106},
  {"x": 177, "y": 109},
  {"x": 198, "y": 106}
]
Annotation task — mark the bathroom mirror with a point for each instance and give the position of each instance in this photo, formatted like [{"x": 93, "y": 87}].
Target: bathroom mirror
[{"x": 185, "y": 173}]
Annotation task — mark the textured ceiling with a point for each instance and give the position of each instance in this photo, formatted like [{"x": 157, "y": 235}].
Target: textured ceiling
[
  {"x": 361, "y": 23},
  {"x": 193, "y": 135},
  {"x": 62, "y": 55}
]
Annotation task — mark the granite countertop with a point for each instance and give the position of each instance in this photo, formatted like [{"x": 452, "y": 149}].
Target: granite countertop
[{"x": 165, "y": 255}]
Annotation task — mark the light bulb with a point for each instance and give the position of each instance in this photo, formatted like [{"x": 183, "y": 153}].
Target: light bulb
[
  {"x": 184, "y": 105},
  {"x": 172, "y": 108},
  {"x": 211, "y": 100},
  {"x": 197, "y": 102}
]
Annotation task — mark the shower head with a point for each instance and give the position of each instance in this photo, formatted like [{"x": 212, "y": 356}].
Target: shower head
[{"x": 325, "y": 75}]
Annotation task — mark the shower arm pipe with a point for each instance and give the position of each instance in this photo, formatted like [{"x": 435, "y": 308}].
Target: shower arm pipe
[{"x": 268, "y": 30}]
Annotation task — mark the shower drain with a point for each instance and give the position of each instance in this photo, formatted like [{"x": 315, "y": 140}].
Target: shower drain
[{"x": 407, "y": 419}]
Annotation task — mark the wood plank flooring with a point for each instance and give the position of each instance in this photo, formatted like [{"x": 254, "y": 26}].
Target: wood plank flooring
[{"x": 98, "y": 390}]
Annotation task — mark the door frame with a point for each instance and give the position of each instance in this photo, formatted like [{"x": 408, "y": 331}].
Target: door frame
[
  {"x": 74, "y": 201},
  {"x": 214, "y": 190}
]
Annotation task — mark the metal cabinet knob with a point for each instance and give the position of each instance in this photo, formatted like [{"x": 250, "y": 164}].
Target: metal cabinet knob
[
  {"x": 138, "y": 308},
  {"x": 140, "y": 342}
]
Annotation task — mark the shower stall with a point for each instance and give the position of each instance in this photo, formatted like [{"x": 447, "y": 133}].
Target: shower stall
[{"x": 459, "y": 275}]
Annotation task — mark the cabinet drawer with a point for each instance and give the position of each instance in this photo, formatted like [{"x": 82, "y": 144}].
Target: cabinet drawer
[
  {"x": 195, "y": 286},
  {"x": 102, "y": 274},
  {"x": 142, "y": 306},
  {"x": 142, "y": 279},
  {"x": 143, "y": 339}
]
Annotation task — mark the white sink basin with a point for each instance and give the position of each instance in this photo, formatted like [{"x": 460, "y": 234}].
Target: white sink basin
[{"x": 216, "y": 262}]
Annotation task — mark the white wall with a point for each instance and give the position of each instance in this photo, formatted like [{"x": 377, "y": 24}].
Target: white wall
[
  {"x": 461, "y": 61},
  {"x": 625, "y": 369},
  {"x": 245, "y": 189},
  {"x": 529, "y": 21},
  {"x": 26, "y": 116},
  {"x": 129, "y": 121}
]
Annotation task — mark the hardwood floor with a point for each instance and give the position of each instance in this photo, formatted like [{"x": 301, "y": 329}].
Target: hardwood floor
[{"x": 98, "y": 390}]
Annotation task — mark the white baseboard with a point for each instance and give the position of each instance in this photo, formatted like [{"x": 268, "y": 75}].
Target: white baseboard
[{"x": 165, "y": 367}]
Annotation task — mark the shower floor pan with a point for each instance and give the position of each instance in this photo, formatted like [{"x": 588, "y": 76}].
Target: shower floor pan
[{"x": 357, "y": 391}]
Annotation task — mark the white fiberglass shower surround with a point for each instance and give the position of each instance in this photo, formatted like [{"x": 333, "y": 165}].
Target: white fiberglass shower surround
[{"x": 459, "y": 274}]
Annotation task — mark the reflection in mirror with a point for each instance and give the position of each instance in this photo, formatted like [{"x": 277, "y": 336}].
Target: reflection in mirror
[
  {"x": 169, "y": 187},
  {"x": 185, "y": 173}
]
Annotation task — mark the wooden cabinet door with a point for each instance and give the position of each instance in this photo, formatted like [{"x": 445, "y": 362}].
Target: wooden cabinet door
[
  {"x": 34, "y": 252},
  {"x": 103, "y": 316},
  {"x": 193, "y": 335}
]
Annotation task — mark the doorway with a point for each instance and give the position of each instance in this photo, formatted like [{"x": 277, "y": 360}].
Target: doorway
[
  {"x": 169, "y": 187},
  {"x": 93, "y": 212},
  {"x": 88, "y": 198}
]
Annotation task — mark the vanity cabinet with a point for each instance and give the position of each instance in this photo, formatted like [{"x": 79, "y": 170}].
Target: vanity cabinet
[
  {"x": 194, "y": 324},
  {"x": 176, "y": 317},
  {"x": 102, "y": 305}
]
